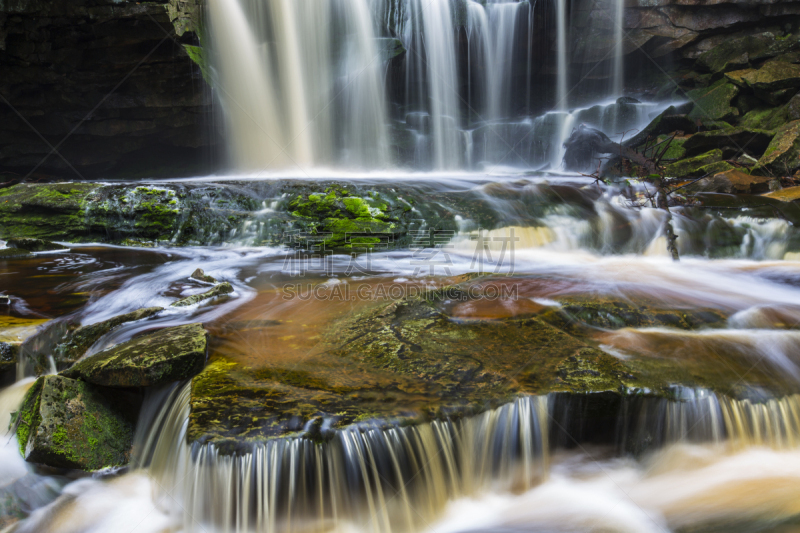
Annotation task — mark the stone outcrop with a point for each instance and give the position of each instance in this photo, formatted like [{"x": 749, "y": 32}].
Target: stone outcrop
[
  {"x": 168, "y": 355},
  {"x": 92, "y": 89},
  {"x": 71, "y": 424},
  {"x": 83, "y": 338}
]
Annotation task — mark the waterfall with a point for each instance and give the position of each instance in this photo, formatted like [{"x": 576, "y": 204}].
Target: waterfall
[
  {"x": 619, "y": 48},
  {"x": 432, "y": 78},
  {"x": 300, "y": 83},
  {"x": 699, "y": 415},
  {"x": 395, "y": 479}
]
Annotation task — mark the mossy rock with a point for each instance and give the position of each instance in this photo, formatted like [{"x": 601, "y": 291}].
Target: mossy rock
[
  {"x": 769, "y": 118},
  {"x": 168, "y": 355},
  {"x": 66, "y": 423},
  {"x": 83, "y": 338},
  {"x": 420, "y": 359},
  {"x": 732, "y": 181},
  {"x": 731, "y": 54},
  {"x": 13, "y": 253},
  {"x": 782, "y": 157},
  {"x": 714, "y": 102},
  {"x": 35, "y": 245},
  {"x": 8, "y": 357},
  {"x": 753, "y": 141},
  {"x": 690, "y": 166},
  {"x": 52, "y": 211},
  {"x": 218, "y": 290},
  {"x": 772, "y": 76}
]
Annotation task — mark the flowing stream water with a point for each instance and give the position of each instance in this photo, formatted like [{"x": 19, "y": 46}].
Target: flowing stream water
[
  {"x": 303, "y": 88},
  {"x": 698, "y": 460}
]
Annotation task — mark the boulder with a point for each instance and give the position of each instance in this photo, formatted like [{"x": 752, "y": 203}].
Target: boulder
[
  {"x": 83, "y": 338},
  {"x": 168, "y": 355},
  {"x": 66, "y": 423},
  {"x": 793, "y": 108},
  {"x": 775, "y": 82},
  {"x": 218, "y": 290},
  {"x": 761, "y": 118},
  {"x": 730, "y": 54},
  {"x": 714, "y": 102},
  {"x": 689, "y": 167},
  {"x": 782, "y": 157},
  {"x": 199, "y": 275},
  {"x": 732, "y": 181},
  {"x": 35, "y": 245},
  {"x": 750, "y": 141}
]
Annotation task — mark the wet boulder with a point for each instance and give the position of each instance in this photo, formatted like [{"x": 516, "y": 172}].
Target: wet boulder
[
  {"x": 782, "y": 157},
  {"x": 200, "y": 275},
  {"x": 8, "y": 357},
  {"x": 66, "y": 423},
  {"x": 219, "y": 290},
  {"x": 83, "y": 338},
  {"x": 168, "y": 355},
  {"x": 789, "y": 194}
]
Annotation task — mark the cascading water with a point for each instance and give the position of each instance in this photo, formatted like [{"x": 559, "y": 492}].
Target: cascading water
[
  {"x": 395, "y": 479},
  {"x": 300, "y": 83},
  {"x": 456, "y": 106}
]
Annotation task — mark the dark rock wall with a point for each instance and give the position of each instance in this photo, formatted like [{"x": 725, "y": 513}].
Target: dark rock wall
[{"x": 102, "y": 89}]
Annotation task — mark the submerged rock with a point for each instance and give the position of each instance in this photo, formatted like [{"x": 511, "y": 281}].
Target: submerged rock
[
  {"x": 219, "y": 290},
  {"x": 35, "y": 245},
  {"x": 83, "y": 338},
  {"x": 66, "y": 423},
  {"x": 168, "y": 355}
]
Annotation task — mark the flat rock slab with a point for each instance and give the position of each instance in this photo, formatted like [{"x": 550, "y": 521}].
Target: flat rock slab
[
  {"x": 83, "y": 338},
  {"x": 66, "y": 423},
  {"x": 443, "y": 354},
  {"x": 790, "y": 194},
  {"x": 16, "y": 330},
  {"x": 168, "y": 355}
]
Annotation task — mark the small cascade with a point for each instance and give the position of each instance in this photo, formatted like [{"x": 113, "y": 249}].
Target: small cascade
[
  {"x": 699, "y": 415},
  {"x": 395, "y": 479}
]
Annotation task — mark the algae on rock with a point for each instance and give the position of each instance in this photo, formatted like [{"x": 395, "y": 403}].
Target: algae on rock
[
  {"x": 168, "y": 355},
  {"x": 70, "y": 424},
  {"x": 83, "y": 338}
]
